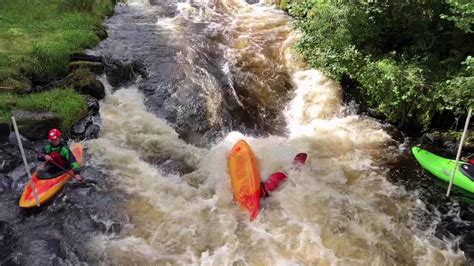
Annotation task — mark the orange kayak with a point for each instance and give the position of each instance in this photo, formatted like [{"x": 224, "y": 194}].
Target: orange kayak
[
  {"x": 47, "y": 188},
  {"x": 245, "y": 177}
]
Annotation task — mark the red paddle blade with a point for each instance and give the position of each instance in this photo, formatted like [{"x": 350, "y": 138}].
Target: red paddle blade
[{"x": 300, "y": 159}]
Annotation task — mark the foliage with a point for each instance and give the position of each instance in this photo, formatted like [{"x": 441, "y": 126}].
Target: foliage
[
  {"x": 462, "y": 15},
  {"x": 412, "y": 59}
]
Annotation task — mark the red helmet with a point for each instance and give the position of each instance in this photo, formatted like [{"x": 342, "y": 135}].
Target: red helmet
[{"x": 54, "y": 134}]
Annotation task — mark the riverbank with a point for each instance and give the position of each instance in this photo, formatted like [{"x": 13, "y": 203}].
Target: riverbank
[
  {"x": 408, "y": 64},
  {"x": 36, "y": 41}
]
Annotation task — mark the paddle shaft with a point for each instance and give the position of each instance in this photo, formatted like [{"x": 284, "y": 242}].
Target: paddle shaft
[
  {"x": 459, "y": 152},
  {"x": 35, "y": 194}
]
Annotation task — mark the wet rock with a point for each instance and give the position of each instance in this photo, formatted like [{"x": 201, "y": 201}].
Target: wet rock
[
  {"x": 7, "y": 241},
  {"x": 92, "y": 131},
  {"x": 102, "y": 33},
  {"x": 372, "y": 112},
  {"x": 41, "y": 249},
  {"x": 4, "y": 129},
  {"x": 19, "y": 173},
  {"x": 94, "y": 67},
  {"x": 7, "y": 89},
  {"x": 85, "y": 82},
  {"x": 8, "y": 162},
  {"x": 184, "y": 106},
  {"x": 120, "y": 73},
  {"x": 80, "y": 127},
  {"x": 93, "y": 105},
  {"x": 175, "y": 167},
  {"x": 449, "y": 140},
  {"x": 5, "y": 184},
  {"x": 35, "y": 125}
]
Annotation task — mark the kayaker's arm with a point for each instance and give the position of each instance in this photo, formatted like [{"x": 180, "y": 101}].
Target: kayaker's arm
[{"x": 71, "y": 160}]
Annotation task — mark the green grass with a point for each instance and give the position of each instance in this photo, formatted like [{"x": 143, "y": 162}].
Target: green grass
[
  {"x": 67, "y": 103},
  {"x": 37, "y": 36}
]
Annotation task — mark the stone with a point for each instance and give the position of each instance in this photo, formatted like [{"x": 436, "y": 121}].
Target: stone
[
  {"x": 85, "y": 82},
  {"x": 119, "y": 73},
  {"x": 7, "y": 89},
  {"x": 94, "y": 67},
  {"x": 102, "y": 33},
  {"x": 92, "y": 131},
  {"x": 87, "y": 128},
  {"x": 93, "y": 105},
  {"x": 4, "y": 184},
  {"x": 35, "y": 125},
  {"x": 19, "y": 172},
  {"x": 8, "y": 162},
  {"x": 80, "y": 127}
]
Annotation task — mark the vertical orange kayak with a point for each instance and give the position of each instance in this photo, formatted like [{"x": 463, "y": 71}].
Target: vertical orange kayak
[
  {"x": 47, "y": 188},
  {"x": 245, "y": 177}
]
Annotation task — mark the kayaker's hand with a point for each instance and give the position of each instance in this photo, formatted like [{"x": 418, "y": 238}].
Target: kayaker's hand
[
  {"x": 47, "y": 158},
  {"x": 78, "y": 177}
]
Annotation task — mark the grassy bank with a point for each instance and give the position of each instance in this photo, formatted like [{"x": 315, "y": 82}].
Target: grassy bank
[
  {"x": 37, "y": 36},
  {"x": 67, "y": 103},
  {"x": 411, "y": 61},
  {"x": 36, "y": 39}
]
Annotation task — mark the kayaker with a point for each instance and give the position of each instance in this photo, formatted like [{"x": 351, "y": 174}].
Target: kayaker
[
  {"x": 275, "y": 179},
  {"x": 470, "y": 159},
  {"x": 55, "y": 153}
]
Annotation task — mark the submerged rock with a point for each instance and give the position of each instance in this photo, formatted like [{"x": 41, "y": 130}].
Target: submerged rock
[{"x": 120, "y": 73}]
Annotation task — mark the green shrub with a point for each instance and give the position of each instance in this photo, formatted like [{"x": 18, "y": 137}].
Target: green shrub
[{"x": 408, "y": 57}]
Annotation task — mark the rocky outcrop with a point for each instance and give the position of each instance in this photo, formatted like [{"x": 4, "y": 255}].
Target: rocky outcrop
[
  {"x": 9, "y": 157},
  {"x": 84, "y": 81},
  {"x": 35, "y": 125},
  {"x": 449, "y": 140},
  {"x": 4, "y": 129},
  {"x": 94, "y": 67},
  {"x": 120, "y": 73},
  {"x": 89, "y": 126}
]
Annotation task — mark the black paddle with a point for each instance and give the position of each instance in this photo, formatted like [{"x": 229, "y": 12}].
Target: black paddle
[{"x": 29, "y": 145}]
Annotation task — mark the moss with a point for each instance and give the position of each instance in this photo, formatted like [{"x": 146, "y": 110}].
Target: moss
[
  {"x": 85, "y": 82},
  {"x": 284, "y": 5},
  {"x": 94, "y": 67}
]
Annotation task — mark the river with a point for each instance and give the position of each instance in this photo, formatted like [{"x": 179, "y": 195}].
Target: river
[{"x": 218, "y": 71}]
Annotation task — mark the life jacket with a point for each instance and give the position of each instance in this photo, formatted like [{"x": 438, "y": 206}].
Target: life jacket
[{"x": 56, "y": 156}]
